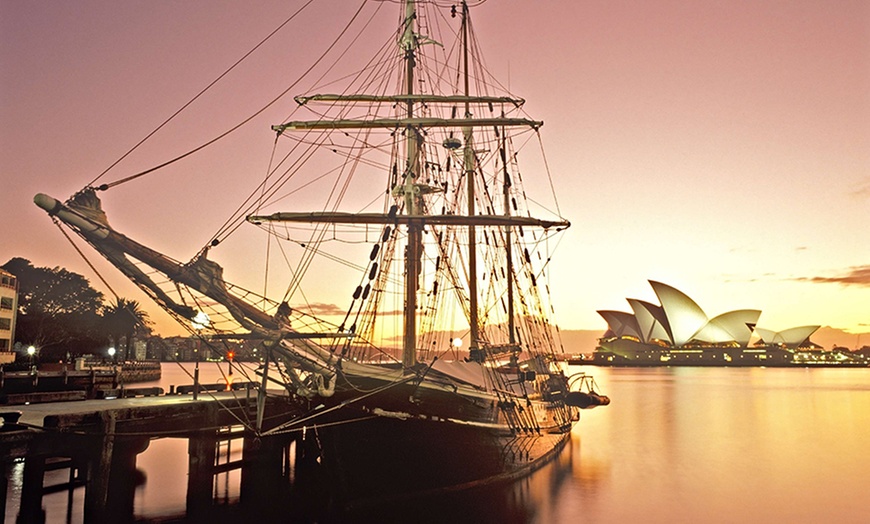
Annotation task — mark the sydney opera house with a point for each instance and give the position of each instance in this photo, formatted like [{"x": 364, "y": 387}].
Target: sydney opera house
[{"x": 678, "y": 332}]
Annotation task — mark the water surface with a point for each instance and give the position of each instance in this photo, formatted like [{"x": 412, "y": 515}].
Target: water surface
[{"x": 714, "y": 445}]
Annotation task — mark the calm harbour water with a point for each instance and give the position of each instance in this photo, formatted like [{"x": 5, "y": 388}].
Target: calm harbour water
[{"x": 675, "y": 445}]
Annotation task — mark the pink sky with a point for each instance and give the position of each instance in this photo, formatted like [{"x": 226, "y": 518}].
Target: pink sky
[{"x": 720, "y": 147}]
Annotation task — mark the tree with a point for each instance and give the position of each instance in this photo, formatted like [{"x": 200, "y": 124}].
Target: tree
[
  {"x": 58, "y": 310},
  {"x": 124, "y": 319}
]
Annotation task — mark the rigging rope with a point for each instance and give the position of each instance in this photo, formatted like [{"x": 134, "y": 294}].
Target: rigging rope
[
  {"x": 244, "y": 122},
  {"x": 88, "y": 262},
  {"x": 251, "y": 203},
  {"x": 182, "y": 108},
  {"x": 549, "y": 174}
]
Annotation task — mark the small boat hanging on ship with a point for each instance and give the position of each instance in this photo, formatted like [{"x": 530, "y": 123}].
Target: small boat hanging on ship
[{"x": 435, "y": 229}]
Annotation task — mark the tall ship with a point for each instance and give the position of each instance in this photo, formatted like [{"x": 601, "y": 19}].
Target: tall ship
[
  {"x": 677, "y": 332},
  {"x": 440, "y": 370}
]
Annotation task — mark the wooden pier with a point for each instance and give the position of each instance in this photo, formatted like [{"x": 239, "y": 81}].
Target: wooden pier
[
  {"x": 98, "y": 442},
  {"x": 79, "y": 380}
]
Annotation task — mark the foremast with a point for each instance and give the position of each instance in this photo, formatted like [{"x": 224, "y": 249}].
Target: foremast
[
  {"x": 413, "y": 198},
  {"x": 470, "y": 168}
]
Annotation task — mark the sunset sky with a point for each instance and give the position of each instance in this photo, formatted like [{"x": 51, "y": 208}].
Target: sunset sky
[{"x": 720, "y": 147}]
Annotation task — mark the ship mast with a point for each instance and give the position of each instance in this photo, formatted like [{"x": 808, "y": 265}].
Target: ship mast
[
  {"x": 508, "y": 240},
  {"x": 410, "y": 191},
  {"x": 414, "y": 216},
  {"x": 470, "y": 167}
]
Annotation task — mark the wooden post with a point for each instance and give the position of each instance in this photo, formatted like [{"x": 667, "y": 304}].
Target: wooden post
[
  {"x": 123, "y": 477},
  {"x": 99, "y": 468},
  {"x": 31, "y": 511},
  {"x": 202, "y": 452},
  {"x": 262, "y": 474},
  {"x": 4, "y": 486},
  {"x": 201, "y": 449},
  {"x": 74, "y": 474},
  {"x": 308, "y": 488}
]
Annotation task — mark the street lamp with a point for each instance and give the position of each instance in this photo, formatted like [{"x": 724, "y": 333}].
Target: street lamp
[
  {"x": 31, "y": 350},
  {"x": 111, "y": 353}
]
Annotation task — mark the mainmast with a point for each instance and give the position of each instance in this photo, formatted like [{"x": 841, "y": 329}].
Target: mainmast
[
  {"x": 506, "y": 187},
  {"x": 411, "y": 193}
]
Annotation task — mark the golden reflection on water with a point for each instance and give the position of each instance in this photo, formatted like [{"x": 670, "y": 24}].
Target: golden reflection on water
[
  {"x": 725, "y": 445},
  {"x": 713, "y": 445}
]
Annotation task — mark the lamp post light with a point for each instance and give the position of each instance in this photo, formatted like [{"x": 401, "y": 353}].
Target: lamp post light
[
  {"x": 31, "y": 351},
  {"x": 199, "y": 322},
  {"x": 112, "y": 352}
]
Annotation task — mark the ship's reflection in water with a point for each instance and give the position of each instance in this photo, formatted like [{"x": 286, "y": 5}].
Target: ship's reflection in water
[{"x": 532, "y": 499}]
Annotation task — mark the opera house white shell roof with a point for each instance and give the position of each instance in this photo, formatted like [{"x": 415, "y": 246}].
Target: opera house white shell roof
[{"x": 679, "y": 321}]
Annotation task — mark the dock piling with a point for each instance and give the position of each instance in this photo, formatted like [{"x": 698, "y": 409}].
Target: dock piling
[
  {"x": 31, "y": 510},
  {"x": 99, "y": 442}
]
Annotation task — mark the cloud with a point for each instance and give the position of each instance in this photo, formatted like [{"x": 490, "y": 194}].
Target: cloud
[
  {"x": 321, "y": 309},
  {"x": 863, "y": 191},
  {"x": 857, "y": 276},
  {"x": 324, "y": 310}
]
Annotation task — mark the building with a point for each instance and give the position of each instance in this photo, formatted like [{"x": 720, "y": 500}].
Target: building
[
  {"x": 679, "y": 332},
  {"x": 8, "y": 315}
]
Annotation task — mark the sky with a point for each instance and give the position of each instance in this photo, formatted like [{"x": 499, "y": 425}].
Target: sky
[{"x": 720, "y": 147}]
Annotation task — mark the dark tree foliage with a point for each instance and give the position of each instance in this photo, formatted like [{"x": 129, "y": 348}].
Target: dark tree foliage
[
  {"x": 58, "y": 310},
  {"x": 125, "y": 319}
]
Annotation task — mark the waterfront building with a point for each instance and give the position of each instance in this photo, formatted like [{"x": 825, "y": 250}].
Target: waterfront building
[{"x": 8, "y": 315}]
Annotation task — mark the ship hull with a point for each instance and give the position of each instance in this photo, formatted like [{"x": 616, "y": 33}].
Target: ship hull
[
  {"x": 410, "y": 442},
  {"x": 384, "y": 460}
]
